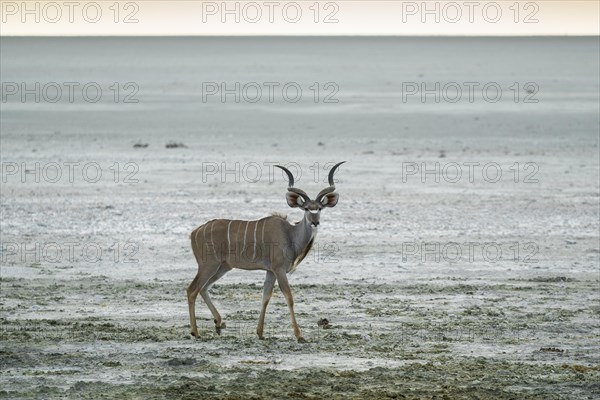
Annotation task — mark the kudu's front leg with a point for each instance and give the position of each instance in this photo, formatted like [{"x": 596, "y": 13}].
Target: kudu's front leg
[
  {"x": 287, "y": 292},
  {"x": 267, "y": 292}
]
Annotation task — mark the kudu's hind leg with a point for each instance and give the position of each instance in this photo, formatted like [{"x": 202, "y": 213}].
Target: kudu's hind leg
[
  {"x": 205, "y": 272},
  {"x": 192, "y": 294},
  {"x": 222, "y": 270}
]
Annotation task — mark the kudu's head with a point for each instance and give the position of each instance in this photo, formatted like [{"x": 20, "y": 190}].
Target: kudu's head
[{"x": 297, "y": 198}]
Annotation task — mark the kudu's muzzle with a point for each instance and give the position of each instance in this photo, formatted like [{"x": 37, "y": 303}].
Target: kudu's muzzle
[{"x": 314, "y": 217}]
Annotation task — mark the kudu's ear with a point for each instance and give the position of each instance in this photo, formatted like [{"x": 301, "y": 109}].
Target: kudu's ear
[
  {"x": 330, "y": 199},
  {"x": 294, "y": 200}
]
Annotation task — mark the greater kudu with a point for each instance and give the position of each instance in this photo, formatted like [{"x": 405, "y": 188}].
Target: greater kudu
[{"x": 272, "y": 244}]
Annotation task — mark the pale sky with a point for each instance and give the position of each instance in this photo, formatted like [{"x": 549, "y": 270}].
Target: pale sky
[{"x": 300, "y": 17}]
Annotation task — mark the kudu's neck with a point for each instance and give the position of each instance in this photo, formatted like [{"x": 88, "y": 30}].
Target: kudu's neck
[{"x": 303, "y": 232}]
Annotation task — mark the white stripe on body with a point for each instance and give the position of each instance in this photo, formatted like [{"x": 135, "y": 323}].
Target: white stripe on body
[
  {"x": 254, "y": 254},
  {"x": 245, "y": 232},
  {"x": 228, "y": 245}
]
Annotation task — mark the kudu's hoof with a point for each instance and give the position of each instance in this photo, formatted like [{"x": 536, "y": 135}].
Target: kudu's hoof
[
  {"x": 219, "y": 327},
  {"x": 302, "y": 340}
]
